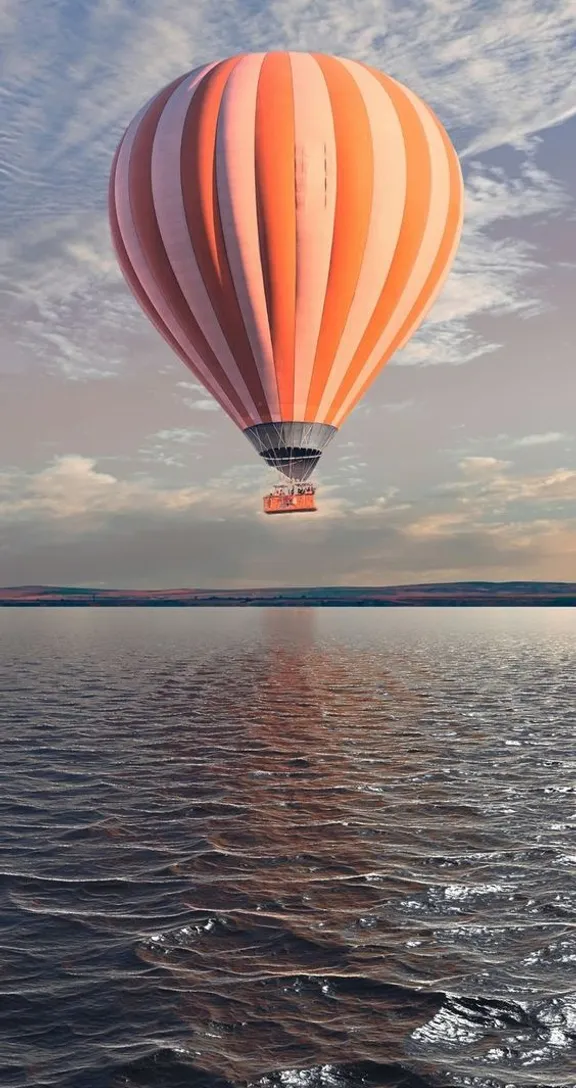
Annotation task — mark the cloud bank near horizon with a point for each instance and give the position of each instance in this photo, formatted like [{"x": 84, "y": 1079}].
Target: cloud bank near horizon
[{"x": 79, "y": 518}]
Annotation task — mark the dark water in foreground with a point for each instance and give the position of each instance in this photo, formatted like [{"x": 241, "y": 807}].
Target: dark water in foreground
[{"x": 292, "y": 848}]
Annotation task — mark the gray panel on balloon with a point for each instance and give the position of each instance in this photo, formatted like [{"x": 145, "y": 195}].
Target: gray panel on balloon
[{"x": 293, "y": 448}]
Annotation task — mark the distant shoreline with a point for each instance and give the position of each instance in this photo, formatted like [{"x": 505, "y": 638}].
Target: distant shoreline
[
  {"x": 536, "y": 603},
  {"x": 434, "y": 595}
]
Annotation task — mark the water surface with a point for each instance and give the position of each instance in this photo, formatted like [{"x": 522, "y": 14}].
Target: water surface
[{"x": 288, "y": 847}]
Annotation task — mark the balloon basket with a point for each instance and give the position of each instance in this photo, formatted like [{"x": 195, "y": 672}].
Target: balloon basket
[{"x": 291, "y": 499}]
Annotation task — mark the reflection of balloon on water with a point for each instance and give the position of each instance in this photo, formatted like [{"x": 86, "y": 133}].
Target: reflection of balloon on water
[
  {"x": 291, "y": 777},
  {"x": 286, "y": 221}
]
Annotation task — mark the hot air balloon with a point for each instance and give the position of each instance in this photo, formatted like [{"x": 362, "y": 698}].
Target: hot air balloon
[{"x": 286, "y": 220}]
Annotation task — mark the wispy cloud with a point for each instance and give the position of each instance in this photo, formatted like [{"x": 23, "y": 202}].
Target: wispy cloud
[
  {"x": 482, "y": 466},
  {"x": 74, "y": 75},
  {"x": 506, "y": 442},
  {"x": 493, "y": 275},
  {"x": 192, "y": 399},
  {"x": 397, "y": 406},
  {"x": 489, "y": 488},
  {"x": 174, "y": 447},
  {"x": 202, "y": 405},
  {"x": 183, "y": 436},
  {"x": 546, "y": 439}
]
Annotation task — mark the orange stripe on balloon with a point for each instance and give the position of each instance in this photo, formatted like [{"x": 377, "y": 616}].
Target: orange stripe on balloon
[
  {"x": 441, "y": 266},
  {"x": 276, "y": 198},
  {"x": 416, "y": 208},
  {"x": 435, "y": 278},
  {"x": 385, "y": 222},
  {"x": 200, "y": 197},
  {"x": 354, "y": 194},
  {"x": 315, "y": 171}
]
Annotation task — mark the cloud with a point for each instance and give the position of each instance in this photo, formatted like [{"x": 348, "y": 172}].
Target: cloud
[
  {"x": 386, "y": 504},
  {"x": 493, "y": 276},
  {"x": 495, "y": 72},
  {"x": 88, "y": 526},
  {"x": 438, "y": 525},
  {"x": 557, "y": 487},
  {"x": 202, "y": 405},
  {"x": 482, "y": 466},
  {"x": 520, "y": 442},
  {"x": 73, "y": 490},
  {"x": 548, "y": 438},
  {"x": 195, "y": 402},
  {"x": 488, "y": 489},
  {"x": 397, "y": 406},
  {"x": 184, "y": 436},
  {"x": 75, "y": 493},
  {"x": 172, "y": 447},
  {"x": 523, "y": 525}
]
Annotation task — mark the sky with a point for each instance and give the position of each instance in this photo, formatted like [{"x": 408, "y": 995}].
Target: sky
[{"x": 117, "y": 469}]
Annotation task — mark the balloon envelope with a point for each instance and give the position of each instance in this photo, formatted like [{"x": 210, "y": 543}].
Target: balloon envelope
[{"x": 286, "y": 220}]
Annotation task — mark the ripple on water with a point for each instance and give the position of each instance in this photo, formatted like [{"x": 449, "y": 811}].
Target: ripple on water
[{"x": 299, "y": 849}]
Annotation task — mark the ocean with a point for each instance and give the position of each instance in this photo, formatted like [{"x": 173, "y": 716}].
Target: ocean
[{"x": 283, "y": 847}]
